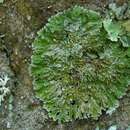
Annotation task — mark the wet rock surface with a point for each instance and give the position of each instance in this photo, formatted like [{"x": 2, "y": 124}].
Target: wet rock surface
[{"x": 19, "y": 22}]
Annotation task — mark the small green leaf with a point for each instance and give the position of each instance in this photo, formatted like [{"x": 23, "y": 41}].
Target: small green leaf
[
  {"x": 112, "y": 29},
  {"x": 1, "y": 1},
  {"x": 125, "y": 41},
  {"x": 114, "y": 127},
  {"x": 92, "y": 15}
]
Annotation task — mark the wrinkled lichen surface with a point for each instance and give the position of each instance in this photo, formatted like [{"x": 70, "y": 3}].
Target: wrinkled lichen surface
[
  {"x": 80, "y": 65},
  {"x": 21, "y": 110}
]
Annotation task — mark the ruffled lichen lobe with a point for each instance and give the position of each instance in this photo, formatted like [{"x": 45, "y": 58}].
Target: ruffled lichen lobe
[{"x": 78, "y": 69}]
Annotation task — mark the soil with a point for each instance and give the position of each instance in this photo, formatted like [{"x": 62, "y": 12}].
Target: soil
[{"x": 19, "y": 22}]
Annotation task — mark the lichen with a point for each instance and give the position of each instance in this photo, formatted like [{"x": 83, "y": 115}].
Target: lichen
[
  {"x": 4, "y": 90},
  {"x": 79, "y": 65},
  {"x": 1, "y": 1}
]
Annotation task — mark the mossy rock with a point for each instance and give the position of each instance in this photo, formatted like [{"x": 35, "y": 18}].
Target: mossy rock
[{"x": 78, "y": 71}]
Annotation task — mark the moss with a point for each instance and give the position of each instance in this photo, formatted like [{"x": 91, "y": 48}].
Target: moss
[{"x": 78, "y": 69}]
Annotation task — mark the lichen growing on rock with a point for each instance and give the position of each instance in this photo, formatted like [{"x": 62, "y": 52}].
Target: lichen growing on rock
[
  {"x": 4, "y": 90},
  {"x": 78, "y": 70}
]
